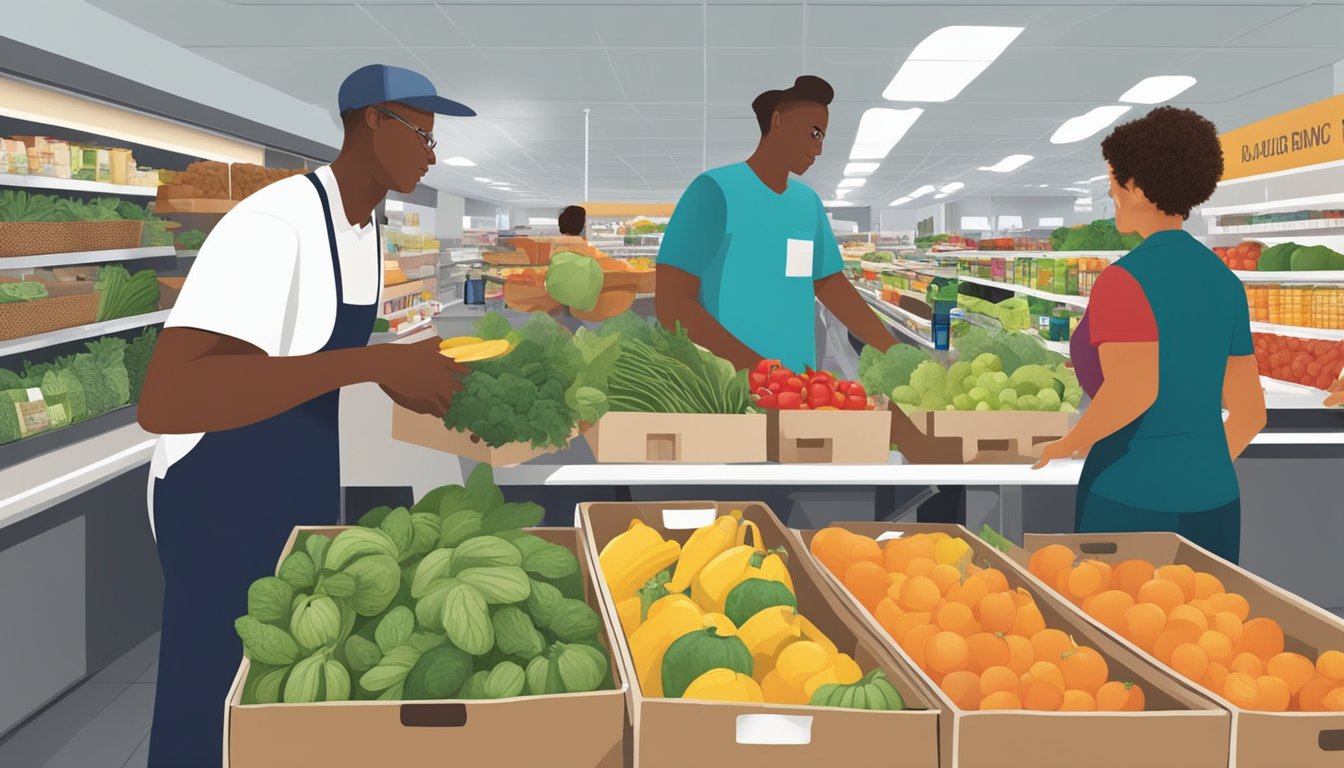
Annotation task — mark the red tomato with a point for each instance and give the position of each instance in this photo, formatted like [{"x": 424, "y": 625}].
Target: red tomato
[
  {"x": 780, "y": 375},
  {"x": 837, "y": 400},
  {"x": 855, "y": 388},
  {"x": 794, "y": 384},
  {"x": 790, "y": 401},
  {"x": 843, "y": 387},
  {"x": 759, "y": 380},
  {"x": 776, "y": 387},
  {"x": 766, "y": 366},
  {"x": 822, "y": 376},
  {"x": 856, "y": 403},
  {"x": 819, "y": 391},
  {"x": 769, "y": 401}
]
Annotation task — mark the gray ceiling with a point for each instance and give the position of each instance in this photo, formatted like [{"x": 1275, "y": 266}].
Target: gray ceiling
[{"x": 670, "y": 82}]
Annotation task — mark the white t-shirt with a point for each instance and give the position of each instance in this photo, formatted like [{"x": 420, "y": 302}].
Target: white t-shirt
[{"x": 264, "y": 276}]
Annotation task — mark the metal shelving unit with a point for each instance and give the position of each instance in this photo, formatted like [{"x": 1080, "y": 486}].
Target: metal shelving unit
[
  {"x": 91, "y": 331},
  {"x": 76, "y": 185},
  {"x": 86, "y": 257}
]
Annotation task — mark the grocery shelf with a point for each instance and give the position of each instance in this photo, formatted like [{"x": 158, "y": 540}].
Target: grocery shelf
[
  {"x": 218, "y": 206},
  {"x": 1073, "y": 301},
  {"x": 93, "y": 330},
  {"x": 991, "y": 324},
  {"x": 1332, "y": 276},
  {"x": 44, "y": 481},
  {"x": 76, "y": 185},
  {"x": 86, "y": 257},
  {"x": 392, "y": 292},
  {"x": 1311, "y": 225},
  {"x": 1275, "y": 206},
  {"x": 29, "y": 447},
  {"x": 1298, "y": 331},
  {"x": 1044, "y": 254}
]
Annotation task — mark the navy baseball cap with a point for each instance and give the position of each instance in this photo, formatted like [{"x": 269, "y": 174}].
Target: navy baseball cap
[{"x": 377, "y": 83}]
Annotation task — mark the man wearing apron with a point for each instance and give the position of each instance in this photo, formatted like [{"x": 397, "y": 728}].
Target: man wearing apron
[{"x": 244, "y": 386}]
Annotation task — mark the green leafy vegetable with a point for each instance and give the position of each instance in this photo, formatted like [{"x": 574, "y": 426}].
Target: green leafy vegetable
[
  {"x": 882, "y": 372},
  {"x": 574, "y": 280}
]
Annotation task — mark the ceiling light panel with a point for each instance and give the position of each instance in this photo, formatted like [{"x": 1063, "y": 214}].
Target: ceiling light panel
[
  {"x": 1009, "y": 164},
  {"x": 879, "y": 130},
  {"x": 1088, "y": 125},
  {"x": 861, "y": 169},
  {"x": 947, "y": 61},
  {"x": 458, "y": 162},
  {"x": 1155, "y": 90},
  {"x": 955, "y": 186},
  {"x": 924, "y": 190},
  {"x": 852, "y": 183}
]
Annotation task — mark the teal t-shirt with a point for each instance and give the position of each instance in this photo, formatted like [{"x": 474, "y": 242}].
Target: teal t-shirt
[{"x": 757, "y": 254}]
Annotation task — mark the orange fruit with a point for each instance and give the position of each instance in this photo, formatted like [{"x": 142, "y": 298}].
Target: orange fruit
[
  {"x": 1001, "y": 700},
  {"x": 945, "y": 576},
  {"x": 956, "y": 617},
  {"x": 1205, "y": 607},
  {"x": 1144, "y": 623},
  {"x": 1116, "y": 696},
  {"x": 1084, "y": 669},
  {"x": 1078, "y": 701},
  {"x": 1047, "y": 672},
  {"x": 831, "y": 546},
  {"x": 921, "y": 546},
  {"x": 1183, "y": 576},
  {"x": 1172, "y": 637},
  {"x": 1051, "y": 645},
  {"x": 887, "y": 613},
  {"x": 1207, "y": 585},
  {"x": 1064, "y": 588},
  {"x": 1041, "y": 696},
  {"x": 919, "y": 593},
  {"x": 947, "y": 652},
  {"x": 1263, "y": 637},
  {"x": 1191, "y": 614},
  {"x": 1216, "y": 678},
  {"x": 1020, "y": 654},
  {"x": 1274, "y": 694},
  {"x": 1242, "y": 690},
  {"x": 1130, "y": 575},
  {"x": 1106, "y": 571},
  {"x": 1190, "y": 661},
  {"x": 1048, "y": 561},
  {"x": 908, "y": 621},
  {"x": 868, "y": 582},
  {"x": 1109, "y": 608},
  {"x": 896, "y": 555},
  {"x": 864, "y": 548},
  {"x": 1028, "y": 621},
  {"x": 1216, "y": 646},
  {"x": 970, "y": 592},
  {"x": 916, "y": 641},
  {"x": 997, "y": 612},
  {"x": 920, "y": 566},
  {"x": 1087, "y": 580},
  {"x": 986, "y": 651},
  {"x": 1228, "y": 623},
  {"x": 1312, "y": 696},
  {"x": 1292, "y": 668},
  {"x": 1232, "y": 603},
  {"x": 1247, "y": 663},
  {"x": 1334, "y": 700},
  {"x": 1330, "y": 665},
  {"x": 963, "y": 688},
  {"x": 1161, "y": 592},
  {"x": 994, "y": 579},
  {"x": 999, "y": 679},
  {"x": 1022, "y": 597}
]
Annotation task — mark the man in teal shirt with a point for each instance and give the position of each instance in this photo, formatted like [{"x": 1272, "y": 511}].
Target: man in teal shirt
[{"x": 750, "y": 250}]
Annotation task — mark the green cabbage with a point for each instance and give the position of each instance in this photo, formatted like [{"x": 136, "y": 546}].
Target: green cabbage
[{"x": 574, "y": 280}]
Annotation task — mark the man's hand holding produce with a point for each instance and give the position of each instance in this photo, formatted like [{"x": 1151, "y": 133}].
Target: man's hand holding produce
[{"x": 417, "y": 377}]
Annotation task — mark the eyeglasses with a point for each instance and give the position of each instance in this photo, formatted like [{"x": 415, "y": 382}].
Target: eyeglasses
[
  {"x": 818, "y": 134},
  {"x": 425, "y": 136}
]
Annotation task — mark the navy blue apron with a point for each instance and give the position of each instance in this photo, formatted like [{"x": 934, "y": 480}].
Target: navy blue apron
[{"x": 222, "y": 515}]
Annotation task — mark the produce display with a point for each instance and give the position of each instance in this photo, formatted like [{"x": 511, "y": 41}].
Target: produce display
[
  {"x": 1278, "y": 217},
  {"x": 1303, "y": 306},
  {"x": 57, "y": 159},
  {"x": 1190, "y": 622},
  {"x": 1244, "y": 257},
  {"x": 74, "y": 388},
  {"x": 212, "y": 180},
  {"x": 985, "y": 645},
  {"x": 1311, "y": 363},
  {"x": 121, "y": 294},
  {"x": 882, "y": 372},
  {"x": 450, "y": 599},
  {"x": 191, "y": 240},
  {"x": 1071, "y": 276},
  {"x": 779, "y": 389},
  {"x": 1013, "y": 313},
  {"x": 1100, "y": 235},
  {"x": 20, "y": 206},
  {"x": 717, "y": 620}
]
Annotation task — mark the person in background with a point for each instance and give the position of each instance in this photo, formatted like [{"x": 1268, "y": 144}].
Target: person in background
[
  {"x": 244, "y": 390},
  {"x": 1164, "y": 347},
  {"x": 573, "y": 220},
  {"x": 749, "y": 250}
]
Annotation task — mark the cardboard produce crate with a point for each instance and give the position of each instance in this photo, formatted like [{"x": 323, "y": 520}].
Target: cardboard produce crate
[
  {"x": 1178, "y": 728},
  {"x": 579, "y": 730},
  {"x": 37, "y": 238},
  {"x": 169, "y": 289},
  {"x": 1259, "y": 739},
  {"x": 680, "y": 733},
  {"x": 690, "y": 438},
  {"x": 976, "y": 437},
  {"x": 429, "y": 432},
  {"x": 29, "y": 318},
  {"x": 829, "y": 437},
  {"x": 536, "y": 251}
]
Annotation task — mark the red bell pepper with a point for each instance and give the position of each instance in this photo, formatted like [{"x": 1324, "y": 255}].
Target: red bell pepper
[
  {"x": 856, "y": 403},
  {"x": 789, "y": 401}
]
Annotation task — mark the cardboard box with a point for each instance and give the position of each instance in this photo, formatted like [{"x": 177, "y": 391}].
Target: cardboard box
[
  {"x": 581, "y": 730},
  {"x": 678, "y": 733},
  {"x": 1179, "y": 727},
  {"x": 429, "y": 432},
  {"x": 537, "y": 251},
  {"x": 639, "y": 438},
  {"x": 829, "y": 437},
  {"x": 1259, "y": 739},
  {"x": 976, "y": 437}
]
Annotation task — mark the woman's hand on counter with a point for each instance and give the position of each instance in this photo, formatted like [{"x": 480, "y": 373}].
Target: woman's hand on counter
[{"x": 1068, "y": 448}]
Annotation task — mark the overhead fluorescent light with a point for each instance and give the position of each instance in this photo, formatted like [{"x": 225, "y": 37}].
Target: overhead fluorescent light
[
  {"x": 852, "y": 183},
  {"x": 955, "y": 186},
  {"x": 839, "y": 193},
  {"x": 460, "y": 162},
  {"x": 1008, "y": 164},
  {"x": 924, "y": 190},
  {"x": 947, "y": 61},
  {"x": 860, "y": 169},
  {"x": 838, "y": 203},
  {"x": 1089, "y": 181},
  {"x": 901, "y": 201},
  {"x": 880, "y": 129},
  {"x": 1080, "y": 190},
  {"x": 1155, "y": 90},
  {"x": 1085, "y": 126},
  {"x": 482, "y": 179},
  {"x": 1103, "y": 177},
  {"x": 1042, "y": 186},
  {"x": 941, "y": 195}
]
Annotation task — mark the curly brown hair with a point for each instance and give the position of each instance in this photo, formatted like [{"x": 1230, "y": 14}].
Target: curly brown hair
[{"x": 1172, "y": 154}]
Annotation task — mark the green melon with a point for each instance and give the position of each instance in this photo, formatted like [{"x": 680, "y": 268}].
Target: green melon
[
  {"x": 696, "y": 653},
  {"x": 753, "y": 596},
  {"x": 439, "y": 673}
]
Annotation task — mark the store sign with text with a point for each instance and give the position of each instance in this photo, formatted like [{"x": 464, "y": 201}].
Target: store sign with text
[{"x": 1310, "y": 135}]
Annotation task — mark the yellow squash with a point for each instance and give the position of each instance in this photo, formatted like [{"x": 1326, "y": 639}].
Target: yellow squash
[
  {"x": 628, "y": 611},
  {"x": 669, "y": 619},
  {"x": 734, "y": 566},
  {"x": 844, "y": 671},
  {"x": 475, "y": 353},
  {"x": 704, "y": 545},
  {"x": 766, "y": 633},
  {"x": 458, "y": 341},
  {"x": 634, "y": 557},
  {"x": 776, "y": 691},
  {"x": 801, "y": 661},
  {"x": 721, "y": 684}
]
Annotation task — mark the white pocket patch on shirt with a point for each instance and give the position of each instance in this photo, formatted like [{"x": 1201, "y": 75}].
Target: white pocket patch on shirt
[{"x": 798, "y": 262}]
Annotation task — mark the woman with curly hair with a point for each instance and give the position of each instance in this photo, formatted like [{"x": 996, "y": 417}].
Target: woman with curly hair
[{"x": 1164, "y": 347}]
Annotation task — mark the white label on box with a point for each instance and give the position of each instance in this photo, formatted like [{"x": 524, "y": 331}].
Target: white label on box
[
  {"x": 799, "y": 258},
  {"x": 578, "y": 517},
  {"x": 890, "y": 535},
  {"x": 774, "y": 730},
  {"x": 34, "y": 394},
  {"x": 684, "y": 519}
]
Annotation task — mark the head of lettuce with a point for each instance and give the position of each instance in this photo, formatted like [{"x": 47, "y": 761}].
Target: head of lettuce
[{"x": 574, "y": 280}]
